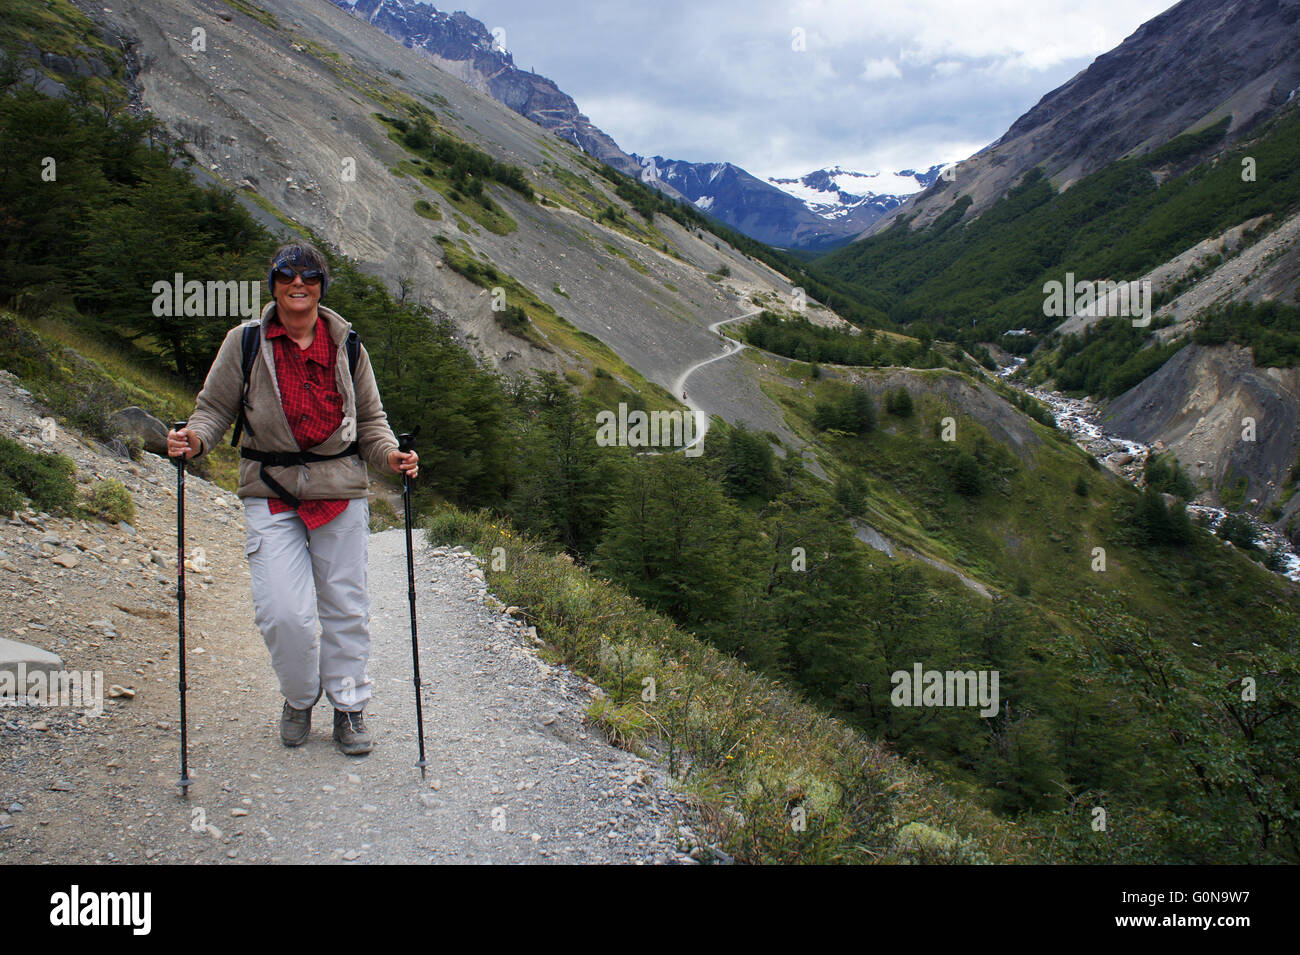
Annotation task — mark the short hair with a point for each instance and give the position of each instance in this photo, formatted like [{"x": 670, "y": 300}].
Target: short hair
[{"x": 301, "y": 255}]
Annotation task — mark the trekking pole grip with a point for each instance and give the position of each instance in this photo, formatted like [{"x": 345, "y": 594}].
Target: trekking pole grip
[{"x": 178, "y": 426}]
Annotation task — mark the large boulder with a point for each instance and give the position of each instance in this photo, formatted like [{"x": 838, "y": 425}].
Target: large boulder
[{"x": 136, "y": 425}]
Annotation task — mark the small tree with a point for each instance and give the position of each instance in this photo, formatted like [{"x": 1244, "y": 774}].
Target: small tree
[
  {"x": 1238, "y": 531},
  {"x": 899, "y": 403},
  {"x": 967, "y": 479}
]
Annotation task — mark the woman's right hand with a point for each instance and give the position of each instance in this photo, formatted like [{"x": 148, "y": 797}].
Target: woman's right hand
[{"x": 180, "y": 441}]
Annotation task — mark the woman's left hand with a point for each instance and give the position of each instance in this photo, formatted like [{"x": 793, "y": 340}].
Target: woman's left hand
[{"x": 408, "y": 463}]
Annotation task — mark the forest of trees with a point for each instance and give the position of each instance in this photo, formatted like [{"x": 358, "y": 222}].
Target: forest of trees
[
  {"x": 1271, "y": 330},
  {"x": 1108, "y": 359},
  {"x": 973, "y": 280},
  {"x": 796, "y": 337}
]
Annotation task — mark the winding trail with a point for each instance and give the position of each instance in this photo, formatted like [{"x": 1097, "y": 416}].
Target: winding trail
[{"x": 732, "y": 347}]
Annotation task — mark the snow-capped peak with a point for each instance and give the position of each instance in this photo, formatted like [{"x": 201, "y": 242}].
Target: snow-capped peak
[{"x": 834, "y": 192}]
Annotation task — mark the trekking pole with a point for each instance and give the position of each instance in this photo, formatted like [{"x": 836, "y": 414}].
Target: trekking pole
[
  {"x": 406, "y": 443},
  {"x": 180, "y": 602}
]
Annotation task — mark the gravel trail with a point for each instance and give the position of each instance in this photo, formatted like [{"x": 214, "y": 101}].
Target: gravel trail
[{"x": 515, "y": 775}]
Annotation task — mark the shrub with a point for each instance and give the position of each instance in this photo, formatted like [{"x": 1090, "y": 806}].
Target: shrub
[
  {"x": 851, "y": 493},
  {"x": 1163, "y": 473},
  {"x": 1238, "y": 531},
  {"x": 967, "y": 479},
  {"x": 853, "y": 412},
  {"x": 45, "y": 478},
  {"x": 899, "y": 403},
  {"x": 513, "y": 319},
  {"x": 427, "y": 209},
  {"x": 1156, "y": 524},
  {"x": 111, "y": 501},
  {"x": 383, "y": 516}
]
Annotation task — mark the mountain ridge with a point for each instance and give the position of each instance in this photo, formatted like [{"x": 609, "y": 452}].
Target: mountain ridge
[{"x": 1183, "y": 70}]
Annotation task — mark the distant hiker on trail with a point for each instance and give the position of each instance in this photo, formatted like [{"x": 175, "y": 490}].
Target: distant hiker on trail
[{"x": 302, "y": 388}]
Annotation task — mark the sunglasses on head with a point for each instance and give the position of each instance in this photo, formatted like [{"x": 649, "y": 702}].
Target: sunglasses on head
[{"x": 285, "y": 273}]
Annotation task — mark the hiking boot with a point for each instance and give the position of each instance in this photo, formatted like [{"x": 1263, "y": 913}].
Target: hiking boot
[
  {"x": 350, "y": 733},
  {"x": 295, "y": 725}
]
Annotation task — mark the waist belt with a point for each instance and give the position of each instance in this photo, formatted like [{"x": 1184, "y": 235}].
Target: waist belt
[{"x": 285, "y": 459}]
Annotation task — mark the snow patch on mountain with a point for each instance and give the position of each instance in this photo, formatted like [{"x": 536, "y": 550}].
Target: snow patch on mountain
[{"x": 835, "y": 193}]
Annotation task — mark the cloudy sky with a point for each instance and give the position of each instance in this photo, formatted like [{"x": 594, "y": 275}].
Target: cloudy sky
[{"x": 782, "y": 87}]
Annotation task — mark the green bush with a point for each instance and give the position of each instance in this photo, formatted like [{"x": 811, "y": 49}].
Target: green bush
[
  {"x": 45, "y": 478},
  {"x": 10, "y": 499},
  {"x": 111, "y": 501},
  {"x": 851, "y": 411},
  {"x": 1238, "y": 531},
  {"x": 1163, "y": 473},
  {"x": 383, "y": 516},
  {"x": 899, "y": 403},
  {"x": 427, "y": 209},
  {"x": 513, "y": 319},
  {"x": 967, "y": 477}
]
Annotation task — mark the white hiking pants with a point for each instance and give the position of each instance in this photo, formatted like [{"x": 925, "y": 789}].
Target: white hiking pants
[{"x": 302, "y": 578}]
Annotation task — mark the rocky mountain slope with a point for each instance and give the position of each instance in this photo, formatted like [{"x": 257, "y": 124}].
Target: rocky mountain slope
[
  {"x": 328, "y": 164},
  {"x": 1202, "y": 404},
  {"x": 1185, "y": 69},
  {"x": 463, "y": 47}
]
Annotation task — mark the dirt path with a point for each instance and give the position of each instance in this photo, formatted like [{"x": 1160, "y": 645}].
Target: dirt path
[
  {"x": 733, "y": 347},
  {"x": 514, "y": 774}
]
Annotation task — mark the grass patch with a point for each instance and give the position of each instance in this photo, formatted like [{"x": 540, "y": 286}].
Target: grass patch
[
  {"x": 383, "y": 516},
  {"x": 110, "y": 501},
  {"x": 456, "y": 170},
  {"x": 425, "y": 208},
  {"x": 47, "y": 479},
  {"x": 265, "y": 17},
  {"x": 58, "y": 27},
  {"x": 554, "y": 330},
  {"x": 82, "y": 381}
]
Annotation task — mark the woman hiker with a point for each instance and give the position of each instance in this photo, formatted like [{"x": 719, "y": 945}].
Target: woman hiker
[{"x": 307, "y": 514}]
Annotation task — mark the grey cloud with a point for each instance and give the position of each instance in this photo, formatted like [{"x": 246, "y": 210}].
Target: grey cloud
[{"x": 719, "y": 81}]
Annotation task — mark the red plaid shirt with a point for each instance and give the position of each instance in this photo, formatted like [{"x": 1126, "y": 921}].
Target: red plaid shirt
[{"x": 312, "y": 404}]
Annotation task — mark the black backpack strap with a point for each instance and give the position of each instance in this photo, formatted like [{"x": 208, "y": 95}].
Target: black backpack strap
[
  {"x": 354, "y": 350},
  {"x": 252, "y": 344}
]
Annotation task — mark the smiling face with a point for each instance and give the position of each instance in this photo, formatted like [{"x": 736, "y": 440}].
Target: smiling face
[{"x": 296, "y": 301}]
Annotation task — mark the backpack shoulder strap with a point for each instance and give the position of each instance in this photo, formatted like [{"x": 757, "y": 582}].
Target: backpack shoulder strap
[
  {"x": 354, "y": 351},
  {"x": 252, "y": 344}
]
